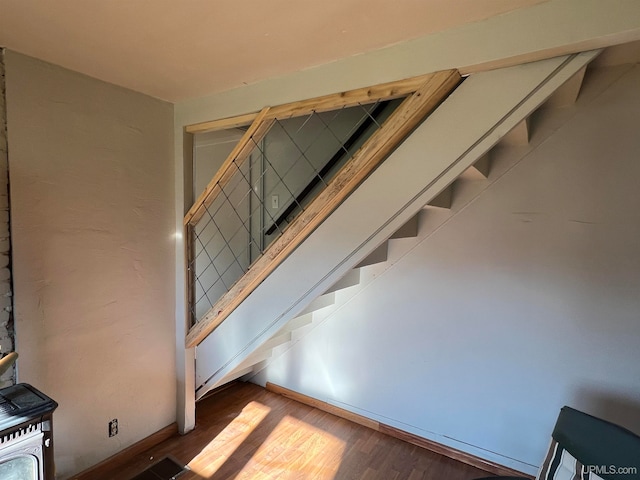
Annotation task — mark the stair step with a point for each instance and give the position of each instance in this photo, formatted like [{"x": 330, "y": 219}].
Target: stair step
[
  {"x": 258, "y": 367},
  {"x": 298, "y": 322},
  {"x": 518, "y": 136},
  {"x": 235, "y": 374},
  {"x": 408, "y": 230},
  {"x": 324, "y": 300},
  {"x": 568, "y": 93},
  {"x": 379, "y": 255},
  {"x": 275, "y": 341},
  {"x": 349, "y": 280},
  {"x": 443, "y": 199},
  {"x": 256, "y": 357},
  {"x": 483, "y": 165}
]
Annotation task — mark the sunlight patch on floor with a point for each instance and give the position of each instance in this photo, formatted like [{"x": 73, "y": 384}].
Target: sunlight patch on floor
[
  {"x": 295, "y": 449},
  {"x": 216, "y": 453}
]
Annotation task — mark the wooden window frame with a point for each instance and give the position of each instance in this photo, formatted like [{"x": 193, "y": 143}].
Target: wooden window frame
[{"x": 423, "y": 94}]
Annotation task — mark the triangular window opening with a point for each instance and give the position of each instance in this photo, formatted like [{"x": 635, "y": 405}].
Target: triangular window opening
[
  {"x": 284, "y": 172},
  {"x": 264, "y": 181}
]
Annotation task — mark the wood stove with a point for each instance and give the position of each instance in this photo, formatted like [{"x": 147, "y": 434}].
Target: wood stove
[{"x": 26, "y": 434}]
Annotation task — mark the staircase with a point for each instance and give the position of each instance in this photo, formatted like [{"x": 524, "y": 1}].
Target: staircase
[
  {"x": 489, "y": 168},
  {"x": 491, "y": 115}
]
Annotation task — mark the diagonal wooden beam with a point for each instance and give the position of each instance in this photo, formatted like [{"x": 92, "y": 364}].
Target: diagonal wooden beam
[
  {"x": 404, "y": 119},
  {"x": 238, "y": 155}
]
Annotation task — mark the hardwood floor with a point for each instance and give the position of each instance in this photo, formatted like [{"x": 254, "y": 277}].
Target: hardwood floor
[{"x": 245, "y": 432}]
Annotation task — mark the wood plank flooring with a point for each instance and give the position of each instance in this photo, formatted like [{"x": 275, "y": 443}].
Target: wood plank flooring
[{"x": 245, "y": 432}]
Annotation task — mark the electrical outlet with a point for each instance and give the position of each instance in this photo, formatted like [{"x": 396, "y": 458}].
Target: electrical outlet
[
  {"x": 275, "y": 201},
  {"x": 113, "y": 427}
]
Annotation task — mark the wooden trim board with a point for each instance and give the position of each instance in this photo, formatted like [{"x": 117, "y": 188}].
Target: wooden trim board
[
  {"x": 445, "y": 450},
  {"x": 324, "y": 406},
  {"x": 125, "y": 456},
  {"x": 360, "y": 96},
  {"x": 406, "y": 117},
  {"x": 223, "y": 123}
]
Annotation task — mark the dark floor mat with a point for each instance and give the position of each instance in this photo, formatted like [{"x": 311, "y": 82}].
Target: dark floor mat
[{"x": 165, "y": 469}]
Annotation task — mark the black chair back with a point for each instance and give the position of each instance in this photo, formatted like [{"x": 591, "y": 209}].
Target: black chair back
[{"x": 595, "y": 448}]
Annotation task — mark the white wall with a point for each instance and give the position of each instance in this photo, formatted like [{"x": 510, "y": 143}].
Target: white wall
[
  {"x": 92, "y": 198},
  {"x": 525, "y": 301}
]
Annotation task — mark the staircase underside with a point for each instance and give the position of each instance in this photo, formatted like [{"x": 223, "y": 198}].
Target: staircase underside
[{"x": 484, "y": 109}]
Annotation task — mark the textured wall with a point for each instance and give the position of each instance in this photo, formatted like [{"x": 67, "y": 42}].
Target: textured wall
[
  {"x": 6, "y": 315},
  {"x": 93, "y": 255}
]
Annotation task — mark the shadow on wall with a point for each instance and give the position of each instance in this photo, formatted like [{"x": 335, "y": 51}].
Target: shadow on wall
[{"x": 609, "y": 405}]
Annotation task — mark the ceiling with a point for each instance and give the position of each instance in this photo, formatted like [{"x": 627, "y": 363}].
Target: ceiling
[{"x": 176, "y": 50}]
